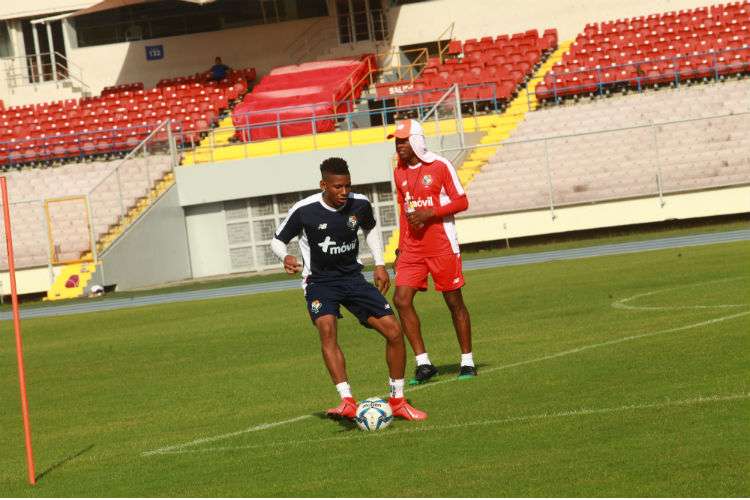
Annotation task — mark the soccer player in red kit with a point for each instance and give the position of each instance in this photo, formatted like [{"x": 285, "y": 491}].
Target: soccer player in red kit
[{"x": 429, "y": 194}]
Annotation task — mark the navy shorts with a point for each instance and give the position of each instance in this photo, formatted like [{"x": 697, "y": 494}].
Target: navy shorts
[{"x": 359, "y": 296}]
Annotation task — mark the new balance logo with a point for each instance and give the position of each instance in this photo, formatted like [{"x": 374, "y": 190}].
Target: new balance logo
[{"x": 330, "y": 247}]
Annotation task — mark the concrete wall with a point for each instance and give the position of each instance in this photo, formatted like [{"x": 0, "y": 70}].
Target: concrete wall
[
  {"x": 207, "y": 236},
  {"x": 231, "y": 180},
  {"x": 154, "y": 250},
  {"x": 422, "y": 21},
  {"x": 607, "y": 214},
  {"x": 262, "y": 47},
  {"x": 11, "y": 9},
  {"x": 34, "y": 280}
]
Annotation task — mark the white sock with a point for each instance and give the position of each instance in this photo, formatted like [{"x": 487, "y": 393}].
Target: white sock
[
  {"x": 345, "y": 390},
  {"x": 423, "y": 359},
  {"x": 397, "y": 387},
  {"x": 467, "y": 359}
]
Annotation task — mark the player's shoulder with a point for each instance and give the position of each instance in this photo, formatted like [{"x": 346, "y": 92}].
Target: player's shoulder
[
  {"x": 306, "y": 202},
  {"x": 442, "y": 162},
  {"x": 358, "y": 198}
]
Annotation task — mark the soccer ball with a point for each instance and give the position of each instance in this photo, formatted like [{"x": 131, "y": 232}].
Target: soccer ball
[{"x": 373, "y": 414}]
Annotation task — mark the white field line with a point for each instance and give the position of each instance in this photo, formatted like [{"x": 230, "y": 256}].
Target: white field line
[
  {"x": 590, "y": 346},
  {"x": 507, "y": 420},
  {"x": 178, "y": 447},
  {"x": 255, "y": 428},
  {"x": 623, "y": 303}
]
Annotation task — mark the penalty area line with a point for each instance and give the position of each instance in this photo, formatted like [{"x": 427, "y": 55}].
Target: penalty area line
[{"x": 436, "y": 383}]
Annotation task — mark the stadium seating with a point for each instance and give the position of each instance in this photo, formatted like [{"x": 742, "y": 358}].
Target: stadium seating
[
  {"x": 485, "y": 69},
  {"x": 115, "y": 121},
  {"x": 290, "y": 100},
  {"x": 654, "y": 50},
  {"x": 27, "y": 189},
  {"x": 610, "y": 149}
]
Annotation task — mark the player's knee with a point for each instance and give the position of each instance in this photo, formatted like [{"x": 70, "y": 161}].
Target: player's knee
[
  {"x": 455, "y": 302},
  {"x": 402, "y": 300},
  {"x": 393, "y": 333}
]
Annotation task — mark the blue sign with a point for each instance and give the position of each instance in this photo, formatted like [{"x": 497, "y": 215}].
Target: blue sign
[{"x": 154, "y": 52}]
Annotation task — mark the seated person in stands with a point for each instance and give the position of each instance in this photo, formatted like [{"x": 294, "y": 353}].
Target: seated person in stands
[{"x": 218, "y": 70}]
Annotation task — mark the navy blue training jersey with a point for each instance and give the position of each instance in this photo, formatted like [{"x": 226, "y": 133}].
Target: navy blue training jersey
[{"x": 328, "y": 236}]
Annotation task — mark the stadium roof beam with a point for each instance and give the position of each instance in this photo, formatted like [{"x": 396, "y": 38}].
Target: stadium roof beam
[{"x": 116, "y": 4}]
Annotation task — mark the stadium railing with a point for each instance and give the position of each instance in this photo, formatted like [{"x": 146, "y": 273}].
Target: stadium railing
[
  {"x": 663, "y": 176},
  {"x": 348, "y": 123},
  {"x": 44, "y": 67},
  {"x": 117, "y": 199}
]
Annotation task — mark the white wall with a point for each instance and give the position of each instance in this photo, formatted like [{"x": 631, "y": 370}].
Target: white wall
[
  {"x": 34, "y": 280},
  {"x": 424, "y": 21},
  {"x": 207, "y": 237},
  {"x": 10, "y": 9},
  {"x": 607, "y": 214},
  {"x": 262, "y": 47}
]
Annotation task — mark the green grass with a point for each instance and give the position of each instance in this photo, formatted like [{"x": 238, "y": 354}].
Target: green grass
[
  {"x": 498, "y": 249},
  {"x": 574, "y": 397}
]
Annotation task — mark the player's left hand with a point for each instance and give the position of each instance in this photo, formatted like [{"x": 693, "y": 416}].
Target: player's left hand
[
  {"x": 419, "y": 218},
  {"x": 381, "y": 278}
]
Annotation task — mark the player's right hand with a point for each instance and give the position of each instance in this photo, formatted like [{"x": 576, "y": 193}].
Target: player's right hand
[{"x": 291, "y": 264}]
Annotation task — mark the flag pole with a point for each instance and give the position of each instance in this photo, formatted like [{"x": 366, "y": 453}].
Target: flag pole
[{"x": 17, "y": 329}]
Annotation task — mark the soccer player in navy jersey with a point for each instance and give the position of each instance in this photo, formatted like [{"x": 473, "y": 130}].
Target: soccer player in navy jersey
[{"x": 327, "y": 224}]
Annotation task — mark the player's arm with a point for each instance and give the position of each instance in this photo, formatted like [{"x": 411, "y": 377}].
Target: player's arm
[
  {"x": 455, "y": 191},
  {"x": 288, "y": 229},
  {"x": 375, "y": 244},
  {"x": 458, "y": 202}
]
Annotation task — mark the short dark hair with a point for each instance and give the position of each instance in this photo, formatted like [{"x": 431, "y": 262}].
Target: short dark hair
[{"x": 334, "y": 166}]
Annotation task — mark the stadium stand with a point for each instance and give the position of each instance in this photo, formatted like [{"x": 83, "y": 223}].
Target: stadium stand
[
  {"x": 29, "y": 187},
  {"x": 653, "y": 50},
  {"x": 637, "y": 145},
  {"x": 116, "y": 121},
  {"x": 290, "y": 98},
  {"x": 485, "y": 69}
]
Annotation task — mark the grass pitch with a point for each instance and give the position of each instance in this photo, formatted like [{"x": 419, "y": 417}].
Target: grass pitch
[{"x": 612, "y": 376}]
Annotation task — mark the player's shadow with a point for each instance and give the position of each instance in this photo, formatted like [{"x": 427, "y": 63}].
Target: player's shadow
[
  {"x": 64, "y": 461},
  {"x": 345, "y": 424},
  {"x": 454, "y": 368}
]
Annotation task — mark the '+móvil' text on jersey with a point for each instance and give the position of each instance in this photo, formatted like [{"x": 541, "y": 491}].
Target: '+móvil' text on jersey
[{"x": 328, "y": 236}]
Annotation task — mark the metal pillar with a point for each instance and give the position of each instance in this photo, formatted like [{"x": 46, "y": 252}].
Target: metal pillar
[
  {"x": 51, "y": 46},
  {"x": 40, "y": 71}
]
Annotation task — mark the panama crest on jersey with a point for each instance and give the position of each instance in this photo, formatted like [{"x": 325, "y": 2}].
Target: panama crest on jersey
[
  {"x": 351, "y": 223},
  {"x": 427, "y": 180},
  {"x": 315, "y": 306}
]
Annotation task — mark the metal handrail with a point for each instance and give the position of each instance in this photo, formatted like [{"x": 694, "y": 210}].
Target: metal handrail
[
  {"x": 449, "y": 30},
  {"x": 28, "y": 71},
  {"x": 595, "y": 132}
]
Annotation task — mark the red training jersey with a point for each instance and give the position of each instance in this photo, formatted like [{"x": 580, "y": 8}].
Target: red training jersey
[{"x": 432, "y": 185}]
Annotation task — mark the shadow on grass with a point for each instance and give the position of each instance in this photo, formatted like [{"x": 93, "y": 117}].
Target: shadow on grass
[
  {"x": 345, "y": 424},
  {"x": 454, "y": 368},
  {"x": 64, "y": 461}
]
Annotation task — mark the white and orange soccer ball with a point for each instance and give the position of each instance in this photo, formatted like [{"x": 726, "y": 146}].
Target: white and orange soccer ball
[{"x": 374, "y": 414}]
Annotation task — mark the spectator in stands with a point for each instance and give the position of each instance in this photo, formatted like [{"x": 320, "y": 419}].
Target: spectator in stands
[{"x": 218, "y": 70}]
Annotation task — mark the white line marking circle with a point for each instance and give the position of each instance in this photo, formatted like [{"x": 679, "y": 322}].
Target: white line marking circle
[{"x": 624, "y": 303}]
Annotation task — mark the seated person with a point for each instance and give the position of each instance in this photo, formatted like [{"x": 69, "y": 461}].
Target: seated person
[{"x": 218, "y": 70}]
